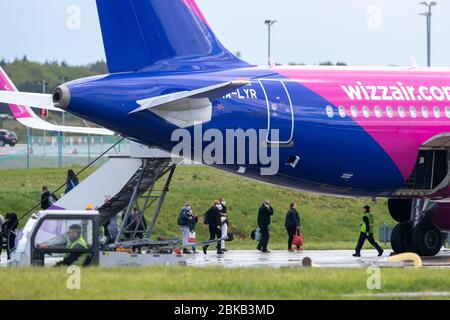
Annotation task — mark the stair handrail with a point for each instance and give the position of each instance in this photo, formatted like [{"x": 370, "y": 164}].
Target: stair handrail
[{"x": 77, "y": 174}]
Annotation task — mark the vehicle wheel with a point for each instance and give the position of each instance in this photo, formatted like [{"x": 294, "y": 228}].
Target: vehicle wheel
[
  {"x": 426, "y": 239},
  {"x": 2, "y": 143},
  {"x": 12, "y": 145},
  {"x": 400, "y": 209},
  {"x": 401, "y": 237}
]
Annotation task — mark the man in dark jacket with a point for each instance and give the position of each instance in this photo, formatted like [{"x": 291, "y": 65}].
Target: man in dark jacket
[
  {"x": 292, "y": 224},
  {"x": 212, "y": 219},
  {"x": 9, "y": 231},
  {"x": 47, "y": 198},
  {"x": 264, "y": 214}
]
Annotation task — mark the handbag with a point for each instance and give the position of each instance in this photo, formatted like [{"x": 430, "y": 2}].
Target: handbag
[
  {"x": 298, "y": 239},
  {"x": 192, "y": 237},
  {"x": 258, "y": 235}
]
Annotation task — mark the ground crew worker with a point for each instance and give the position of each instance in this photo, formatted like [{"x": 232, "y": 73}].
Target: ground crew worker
[
  {"x": 76, "y": 241},
  {"x": 367, "y": 229}
]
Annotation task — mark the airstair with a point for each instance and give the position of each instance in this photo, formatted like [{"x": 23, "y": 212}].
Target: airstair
[{"x": 122, "y": 184}]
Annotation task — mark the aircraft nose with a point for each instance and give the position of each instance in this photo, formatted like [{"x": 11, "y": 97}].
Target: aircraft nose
[{"x": 61, "y": 97}]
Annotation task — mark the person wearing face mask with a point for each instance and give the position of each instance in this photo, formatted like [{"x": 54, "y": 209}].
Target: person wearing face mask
[
  {"x": 187, "y": 221},
  {"x": 212, "y": 219},
  {"x": 224, "y": 222},
  {"x": 264, "y": 218}
]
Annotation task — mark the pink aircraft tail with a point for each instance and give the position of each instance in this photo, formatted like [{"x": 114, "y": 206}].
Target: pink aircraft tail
[{"x": 7, "y": 85}]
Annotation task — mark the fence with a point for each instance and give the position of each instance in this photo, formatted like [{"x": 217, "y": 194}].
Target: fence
[{"x": 47, "y": 151}]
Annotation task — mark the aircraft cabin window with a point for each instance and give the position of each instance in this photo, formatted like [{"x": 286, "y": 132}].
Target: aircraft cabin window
[
  {"x": 413, "y": 112},
  {"x": 447, "y": 111},
  {"x": 437, "y": 112},
  {"x": 425, "y": 112},
  {"x": 354, "y": 111},
  {"x": 401, "y": 112},
  {"x": 378, "y": 112},
  {"x": 330, "y": 112},
  {"x": 390, "y": 112},
  {"x": 366, "y": 111},
  {"x": 342, "y": 112}
]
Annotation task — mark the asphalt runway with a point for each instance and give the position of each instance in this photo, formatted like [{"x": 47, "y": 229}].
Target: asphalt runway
[
  {"x": 319, "y": 259},
  {"x": 11, "y": 151}
]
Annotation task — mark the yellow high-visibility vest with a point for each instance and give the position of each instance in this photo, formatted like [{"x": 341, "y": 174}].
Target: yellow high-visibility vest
[
  {"x": 371, "y": 223},
  {"x": 82, "y": 258}
]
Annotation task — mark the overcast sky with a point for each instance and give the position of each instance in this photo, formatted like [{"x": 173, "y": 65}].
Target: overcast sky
[{"x": 359, "y": 32}]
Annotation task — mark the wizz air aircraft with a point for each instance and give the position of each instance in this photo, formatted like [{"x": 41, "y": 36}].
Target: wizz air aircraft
[{"x": 356, "y": 132}]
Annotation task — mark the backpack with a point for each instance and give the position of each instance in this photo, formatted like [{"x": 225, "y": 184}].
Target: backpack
[
  {"x": 52, "y": 199},
  {"x": 182, "y": 219}
]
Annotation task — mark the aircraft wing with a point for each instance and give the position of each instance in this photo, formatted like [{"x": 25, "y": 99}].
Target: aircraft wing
[
  {"x": 18, "y": 103},
  {"x": 186, "y": 108}
]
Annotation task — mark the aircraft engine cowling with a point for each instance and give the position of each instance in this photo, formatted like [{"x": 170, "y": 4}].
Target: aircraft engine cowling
[{"x": 61, "y": 97}]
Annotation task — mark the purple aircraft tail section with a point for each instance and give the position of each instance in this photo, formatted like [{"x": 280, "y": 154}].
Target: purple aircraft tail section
[{"x": 160, "y": 35}]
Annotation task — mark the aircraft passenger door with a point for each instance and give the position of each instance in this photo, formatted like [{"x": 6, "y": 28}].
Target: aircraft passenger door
[{"x": 280, "y": 111}]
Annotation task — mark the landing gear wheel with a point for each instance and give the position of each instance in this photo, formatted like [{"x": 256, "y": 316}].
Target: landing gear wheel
[
  {"x": 401, "y": 237},
  {"x": 426, "y": 239}
]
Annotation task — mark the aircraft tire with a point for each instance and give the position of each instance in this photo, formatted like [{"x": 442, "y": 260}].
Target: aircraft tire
[
  {"x": 401, "y": 237},
  {"x": 426, "y": 239}
]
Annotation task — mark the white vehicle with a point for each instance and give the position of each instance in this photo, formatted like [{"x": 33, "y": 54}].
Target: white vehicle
[{"x": 46, "y": 241}]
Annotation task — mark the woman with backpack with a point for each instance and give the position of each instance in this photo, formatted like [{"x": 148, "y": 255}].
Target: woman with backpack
[
  {"x": 72, "y": 181},
  {"x": 187, "y": 221}
]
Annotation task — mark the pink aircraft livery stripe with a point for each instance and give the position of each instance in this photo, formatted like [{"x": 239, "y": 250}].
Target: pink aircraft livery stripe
[
  {"x": 191, "y": 4},
  {"x": 426, "y": 93},
  {"x": 6, "y": 85}
]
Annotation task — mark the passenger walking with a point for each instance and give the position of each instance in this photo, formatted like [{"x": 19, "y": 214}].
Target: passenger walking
[
  {"x": 72, "y": 181},
  {"x": 9, "y": 231},
  {"x": 135, "y": 225},
  {"x": 2, "y": 242},
  {"x": 111, "y": 228},
  {"x": 367, "y": 229},
  {"x": 264, "y": 219},
  {"x": 47, "y": 198},
  {"x": 187, "y": 221},
  {"x": 212, "y": 219},
  {"x": 292, "y": 225},
  {"x": 223, "y": 222}
]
